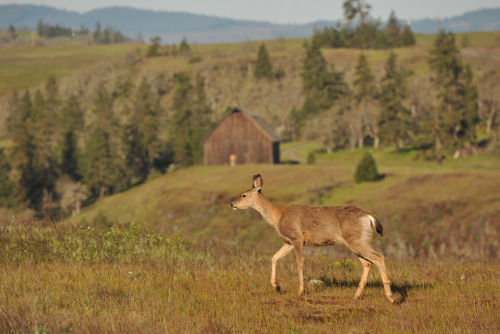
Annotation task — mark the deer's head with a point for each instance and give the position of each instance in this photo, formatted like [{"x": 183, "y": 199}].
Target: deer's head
[{"x": 247, "y": 199}]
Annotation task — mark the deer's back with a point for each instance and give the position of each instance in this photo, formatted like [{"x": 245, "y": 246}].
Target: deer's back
[{"x": 321, "y": 226}]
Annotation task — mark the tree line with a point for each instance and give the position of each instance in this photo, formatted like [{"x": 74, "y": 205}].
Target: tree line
[
  {"x": 62, "y": 155},
  {"x": 107, "y": 35},
  {"x": 384, "y": 112},
  {"x": 367, "y": 34}
]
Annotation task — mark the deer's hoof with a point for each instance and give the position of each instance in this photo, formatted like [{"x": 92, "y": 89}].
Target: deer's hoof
[{"x": 277, "y": 287}]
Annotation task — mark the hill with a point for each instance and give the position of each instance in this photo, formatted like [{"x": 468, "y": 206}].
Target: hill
[
  {"x": 480, "y": 20},
  {"x": 173, "y": 26},
  {"x": 426, "y": 210}
]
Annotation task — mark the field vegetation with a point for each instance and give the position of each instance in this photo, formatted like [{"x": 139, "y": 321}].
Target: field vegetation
[
  {"x": 156, "y": 247},
  {"x": 170, "y": 255},
  {"x": 99, "y": 274}
]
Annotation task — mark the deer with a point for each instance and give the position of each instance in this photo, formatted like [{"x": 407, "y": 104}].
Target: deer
[{"x": 302, "y": 225}]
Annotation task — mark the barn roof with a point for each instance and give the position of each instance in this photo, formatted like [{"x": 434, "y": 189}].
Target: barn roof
[{"x": 256, "y": 119}]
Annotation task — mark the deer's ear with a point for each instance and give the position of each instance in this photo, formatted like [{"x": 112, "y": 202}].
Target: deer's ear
[{"x": 257, "y": 181}]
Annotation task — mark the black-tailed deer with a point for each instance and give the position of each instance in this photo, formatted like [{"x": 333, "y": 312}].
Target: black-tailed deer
[{"x": 301, "y": 225}]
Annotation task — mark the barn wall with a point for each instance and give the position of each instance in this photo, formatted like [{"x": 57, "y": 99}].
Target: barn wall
[{"x": 239, "y": 135}]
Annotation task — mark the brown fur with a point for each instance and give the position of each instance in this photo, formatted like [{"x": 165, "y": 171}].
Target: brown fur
[{"x": 301, "y": 225}]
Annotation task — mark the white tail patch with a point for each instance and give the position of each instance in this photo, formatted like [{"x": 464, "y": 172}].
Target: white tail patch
[{"x": 372, "y": 221}]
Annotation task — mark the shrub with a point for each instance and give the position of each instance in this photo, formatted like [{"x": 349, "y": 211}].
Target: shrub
[
  {"x": 311, "y": 158},
  {"x": 367, "y": 169}
]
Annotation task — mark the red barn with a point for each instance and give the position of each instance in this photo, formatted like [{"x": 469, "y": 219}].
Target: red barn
[{"x": 243, "y": 138}]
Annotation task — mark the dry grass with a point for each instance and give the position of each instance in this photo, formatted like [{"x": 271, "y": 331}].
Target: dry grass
[{"x": 64, "y": 278}]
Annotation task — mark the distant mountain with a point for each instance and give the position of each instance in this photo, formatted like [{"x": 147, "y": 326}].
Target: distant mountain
[
  {"x": 479, "y": 20},
  {"x": 173, "y": 26}
]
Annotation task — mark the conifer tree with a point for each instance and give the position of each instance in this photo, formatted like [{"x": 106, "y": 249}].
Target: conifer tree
[
  {"x": 141, "y": 132},
  {"x": 364, "y": 119},
  {"x": 456, "y": 113},
  {"x": 364, "y": 82},
  {"x": 69, "y": 161},
  {"x": 29, "y": 174},
  {"x": 393, "y": 31},
  {"x": 320, "y": 83},
  {"x": 202, "y": 120},
  {"x": 184, "y": 47},
  {"x": 153, "y": 47},
  {"x": 394, "y": 116},
  {"x": 190, "y": 121},
  {"x": 407, "y": 36},
  {"x": 97, "y": 35},
  {"x": 102, "y": 164},
  {"x": 366, "y": 170},
  {"x": 263, "y": 67},
  {"x": 322, "y": 86},
  {"x": 6, "y": 184},
  {"x": 71, "y": 125}
]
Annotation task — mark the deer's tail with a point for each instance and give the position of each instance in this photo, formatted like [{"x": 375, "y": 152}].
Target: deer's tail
[{"x": 377, "y": 225}]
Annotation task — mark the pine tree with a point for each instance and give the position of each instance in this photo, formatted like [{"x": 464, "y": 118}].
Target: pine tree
[
  {"x": 394, "y": 117},
  {"x": 470, "y": 113},
  {"x": 184, "y": 47},
  {"x": 97, "y": 35},
  {"x": 29, "y": 174},
  {"x": 202, "y": 122},
  {"x": 407, "y": 37},
  {"x": 191, "y": 120},
  {"x": 321, "y": 84},
  {"x": 456, "y": 113},
  {"x": 141, "y": 132},
  {"x": 72, "y": 115},
  {"x": 366, "y": 169},
  {"x": 364, "y": 82},
  {"x": 313, "y": 68},
  {"x": 393, "y": 31},
  {"x": 364, "y": 119},
  {"x": 102, "y": 163},
  {"x": 69, "y": 161},
  {"x": 263, "y": 67},
  {"x": 153, "y": 47},
  {"x": 71, "y": 125},
  {"x": 6, "y": 184}
]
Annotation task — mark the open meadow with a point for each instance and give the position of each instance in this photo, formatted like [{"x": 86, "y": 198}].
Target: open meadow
[
  {"x": 170, "y": 256},
  {"x": 166, "y": 254}
]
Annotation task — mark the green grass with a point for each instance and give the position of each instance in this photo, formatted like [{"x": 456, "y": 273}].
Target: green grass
[
  {"x": 449, "y": 198},
  {"x": 192, "y": 264},
  {"x": 30, "y": 66},
  {"x": 106, "y": 277}
]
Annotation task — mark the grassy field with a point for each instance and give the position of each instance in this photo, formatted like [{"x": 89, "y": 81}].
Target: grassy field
[
  {"x": 30, "y": 66},
  {"x": 106, "y": 278},
  {"x": 170, "y": 256}
]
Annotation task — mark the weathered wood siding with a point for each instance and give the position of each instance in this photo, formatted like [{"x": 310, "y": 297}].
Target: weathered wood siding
[{"x": 238, "y": 134}]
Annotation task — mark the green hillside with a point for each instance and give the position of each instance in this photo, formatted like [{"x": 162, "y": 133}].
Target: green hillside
[{"x": 425, "y": 209}]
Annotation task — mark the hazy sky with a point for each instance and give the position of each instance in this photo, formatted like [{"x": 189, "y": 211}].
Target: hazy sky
[{"x": 280, "y": 11}]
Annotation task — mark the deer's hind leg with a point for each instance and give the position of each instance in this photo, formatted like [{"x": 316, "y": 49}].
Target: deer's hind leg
[
  {"x": 369, "y": 254},
  {"x": 364, "y": 277},
  {"x": 299, "y": 254}
]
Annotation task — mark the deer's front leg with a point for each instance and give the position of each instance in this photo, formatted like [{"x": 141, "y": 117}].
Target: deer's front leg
[{"x": 279, "y": 254}]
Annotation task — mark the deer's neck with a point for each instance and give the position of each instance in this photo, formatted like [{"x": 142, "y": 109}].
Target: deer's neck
[{"x": 270, "y": 212}]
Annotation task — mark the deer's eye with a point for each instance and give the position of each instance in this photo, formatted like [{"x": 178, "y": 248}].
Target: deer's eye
[{"x": 243, "y": 196}]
